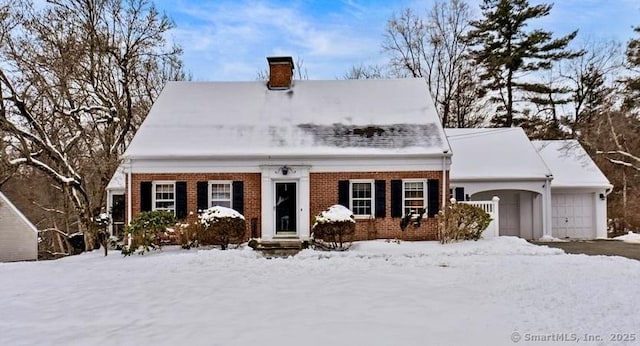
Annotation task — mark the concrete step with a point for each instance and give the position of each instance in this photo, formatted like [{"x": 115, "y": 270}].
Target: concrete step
[{"x": 278, "y": 248}]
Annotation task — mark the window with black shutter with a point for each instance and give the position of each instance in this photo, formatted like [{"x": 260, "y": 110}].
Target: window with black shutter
[
  {"x": 396, "y": 198},
  {"x": 238, "y": 196},
  {"x": 381, "y": 198},
  {"x": 181, "y": 200},
  {"x": 433, "y": 197},
  {"x": 343, "y": 193},
  {"x": 146, "y": 200}
]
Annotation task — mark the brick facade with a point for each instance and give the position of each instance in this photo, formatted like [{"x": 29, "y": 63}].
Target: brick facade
[
  {"x": 252, "y": 192},
  {"x": 323, "y": 193}
]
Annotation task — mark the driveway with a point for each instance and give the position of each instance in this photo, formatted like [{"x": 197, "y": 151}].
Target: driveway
[{"x": 597, "y": 247}]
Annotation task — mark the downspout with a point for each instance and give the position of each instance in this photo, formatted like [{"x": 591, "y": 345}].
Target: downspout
[
  {"x": 547, "y": 226},
  {"x": 129, "y": 207},
  {"x": 444, "y": 178}
]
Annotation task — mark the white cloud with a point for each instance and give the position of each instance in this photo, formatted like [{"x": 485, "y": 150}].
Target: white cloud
[
  {"x": 220, "y": 36},
  {"x": 229, "y": 40}
]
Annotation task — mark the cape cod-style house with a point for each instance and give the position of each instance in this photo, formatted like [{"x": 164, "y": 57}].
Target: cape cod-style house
[{"x": 281, "y": 151}]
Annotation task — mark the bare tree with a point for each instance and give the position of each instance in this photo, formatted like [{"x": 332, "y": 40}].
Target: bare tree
[
  {"x": 82, "y": 76},
  {"x": 365, "y": 72},
  {"x": 591, "y": 80},
  {"x": 436, "y": 49}
]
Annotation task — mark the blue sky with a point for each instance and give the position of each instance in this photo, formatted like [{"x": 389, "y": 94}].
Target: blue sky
[{"x": 229, "y": 39}]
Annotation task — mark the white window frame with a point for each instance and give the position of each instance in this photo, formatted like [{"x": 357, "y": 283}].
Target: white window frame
[
  {"x": 425, "y": 193},
  {"x": 373, "y": 197},
  {"x": 153, "y": 195},
  {"x": 210, "y": 191}
]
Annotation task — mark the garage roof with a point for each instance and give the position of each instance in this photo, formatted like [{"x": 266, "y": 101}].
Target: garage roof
[
  {"x": 570, "y": 164},
  {"x": 494, "y": 154}
]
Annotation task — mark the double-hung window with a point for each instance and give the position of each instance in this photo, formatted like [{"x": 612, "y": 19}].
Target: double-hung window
[
  {"x": 164, "y": 196},
  {"x": 361, "y": 198},
  {"x": 414, "y": 201},
  {"x": 220, "y": 194}
]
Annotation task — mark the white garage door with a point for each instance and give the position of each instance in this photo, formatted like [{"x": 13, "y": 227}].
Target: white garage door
[{"x": 573, "y": 215}]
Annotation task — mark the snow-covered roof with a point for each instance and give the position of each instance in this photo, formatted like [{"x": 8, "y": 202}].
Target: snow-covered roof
[
  {"x": 118, "y": 180},
  {"x": 336, "y": 117},
  {"x": 494, "y": 154},
  {"x": 570, "y": 164}
]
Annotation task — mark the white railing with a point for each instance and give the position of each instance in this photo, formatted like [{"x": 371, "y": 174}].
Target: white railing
[{"x": 491, "y": 208}]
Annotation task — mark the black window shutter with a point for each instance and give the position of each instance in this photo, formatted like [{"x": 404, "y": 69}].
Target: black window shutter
[
  {"x": 396, "y": 198},
  {"x": 381, "y": 198},
  {"x": 459, "y": 193},
  {"x": 237, "y": 198},
  {"x": 145, "y": 195},
  {"x": 343, "y": 193},
  {"x": 433, "y": 205},
  {"x": 181, "y": 200},
  {"x": 202, "y": 195}
]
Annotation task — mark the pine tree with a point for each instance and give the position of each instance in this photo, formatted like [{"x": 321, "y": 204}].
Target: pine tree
[
  {"x": 507, "y": 51},
  {"x": 632, "y": 84}
]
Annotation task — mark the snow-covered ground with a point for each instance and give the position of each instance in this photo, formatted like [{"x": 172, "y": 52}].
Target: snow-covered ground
[
  {"x": 630, "y": 237},
  {"x": 489, "y": 292}
]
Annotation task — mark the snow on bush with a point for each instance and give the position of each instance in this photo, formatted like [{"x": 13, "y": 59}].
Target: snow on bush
[
  {"x": 217, "y": 213},
  {"x": 461, "y": 221},
  {"x": 333, "y": 228},
  {"x": 335, "y": 213},
  {"x": 221, "y": 226}
]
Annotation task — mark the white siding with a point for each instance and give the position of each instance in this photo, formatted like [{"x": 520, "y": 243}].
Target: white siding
[
  {"x": 520, "y": 212},
  {"x": 18, "y": 237}
]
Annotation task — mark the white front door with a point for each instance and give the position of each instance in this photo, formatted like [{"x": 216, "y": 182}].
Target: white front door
[{"x": 286, "y": 208}]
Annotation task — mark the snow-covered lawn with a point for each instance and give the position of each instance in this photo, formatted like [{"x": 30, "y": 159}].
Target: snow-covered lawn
[
  {"x": 379, "y": 293},
  {"x": 630, "y": 237}
]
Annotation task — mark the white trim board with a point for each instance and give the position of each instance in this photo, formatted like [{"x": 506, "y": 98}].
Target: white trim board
[{"x": 363, "y": 164}]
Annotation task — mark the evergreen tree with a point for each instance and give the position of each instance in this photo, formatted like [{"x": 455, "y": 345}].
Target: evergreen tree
[
  {"x": 507, "y": 51},
  {"x": 632, "y": 84}
]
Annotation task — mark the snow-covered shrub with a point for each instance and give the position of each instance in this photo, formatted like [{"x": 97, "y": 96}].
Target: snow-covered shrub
[
  {"x": 187, "y": 233},
  {"x": 145, "y": 230},
  {"x": 333, "y": 228},
  {"x": 115, "y": 243},
  {"x": 412, "y": 218},
  {"x": 461, "y": 221},
  {"x": 221, "y": 226}
]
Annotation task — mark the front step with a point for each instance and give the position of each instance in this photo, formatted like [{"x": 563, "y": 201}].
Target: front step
[{"x": 278, "y": 248}]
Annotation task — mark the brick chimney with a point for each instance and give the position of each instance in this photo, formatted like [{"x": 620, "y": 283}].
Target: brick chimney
[{"x": 280, "y": 72}]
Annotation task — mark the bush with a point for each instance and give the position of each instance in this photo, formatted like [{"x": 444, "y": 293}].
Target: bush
[
  {"x": 221, "y": 226},
  {"x": 146, "y": 229},
  {"x": 412, "y": 218},
  {"x": 187, "y": 234},
  {"x": 462, "y": 222},
  {"x": 333, "y": 229}
]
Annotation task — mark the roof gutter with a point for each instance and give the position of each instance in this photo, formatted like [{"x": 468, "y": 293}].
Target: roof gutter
[
  {"x": 499, "y": 179},
  {"x": 232, "y": 157}
]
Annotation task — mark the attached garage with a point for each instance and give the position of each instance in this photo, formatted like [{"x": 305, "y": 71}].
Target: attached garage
[
  {"x": 546, "y": 188},
  {"x": 503, "y": 163},
  {"x": 578, "y": 191}
]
